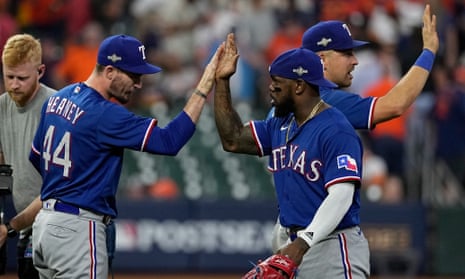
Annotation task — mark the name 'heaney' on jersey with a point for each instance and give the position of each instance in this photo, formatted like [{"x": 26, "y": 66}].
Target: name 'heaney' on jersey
[{"x": 65, "y": 108}]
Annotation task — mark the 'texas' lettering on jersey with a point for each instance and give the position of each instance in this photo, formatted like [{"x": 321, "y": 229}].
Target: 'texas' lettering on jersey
[
  {"x": 281, "y": 158},
  {"x": 65, "y": 108}
]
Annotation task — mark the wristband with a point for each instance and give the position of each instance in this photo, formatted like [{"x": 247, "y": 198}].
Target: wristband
[
  {"x": 200, "y": 93},
  {"x": 306, "y": 236},
  {"x": 10, "y": 231},
  {"x": 425, "y": 60}
]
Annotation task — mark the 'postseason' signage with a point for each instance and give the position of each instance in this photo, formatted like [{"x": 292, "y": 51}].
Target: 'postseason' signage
[{"x": 194, "y": 236}]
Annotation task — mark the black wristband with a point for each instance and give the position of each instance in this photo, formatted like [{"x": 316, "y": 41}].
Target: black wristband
[
  {"x": 10, "y": 231},
  {"x": 200, "y": 93}
]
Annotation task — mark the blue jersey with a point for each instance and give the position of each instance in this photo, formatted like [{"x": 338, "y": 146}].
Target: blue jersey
[
  {"x": 79, "y": 144},
  {"x": 306, "y": 160},
  {"x": 358, "y": 110}
]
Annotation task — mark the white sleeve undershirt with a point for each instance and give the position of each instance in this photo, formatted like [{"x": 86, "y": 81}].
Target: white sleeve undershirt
[{"x": 330, "y": 213}]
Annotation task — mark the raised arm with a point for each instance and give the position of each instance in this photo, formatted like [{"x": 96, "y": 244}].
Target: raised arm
[
  {"x": 235, "y": 136},
  {"x": 404, "y": 93},
  {"x": 196, "y": 102}
]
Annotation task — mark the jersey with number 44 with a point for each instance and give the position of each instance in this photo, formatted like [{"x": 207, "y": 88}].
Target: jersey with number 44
[{"x": 79, "y": 144}]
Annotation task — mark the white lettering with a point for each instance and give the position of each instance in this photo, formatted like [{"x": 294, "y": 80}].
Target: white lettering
[
  {"x": 275, "y": 155},
  {"x": 210, "y": 236},
  {"x": 64, "y": 108},
  {"x": 314, "y": 173},
  {"x": 142, "y": 50},
  {"x": 52, "y": 103},
  {"x": 282, "y": 156},
  {"x": 300, "y": 163},
  {"x": 78, "y": 114},
  {"x": 295, "y": 159},
  {"x": 60, "y": 107},
  {"x": 292, "y": 150}
]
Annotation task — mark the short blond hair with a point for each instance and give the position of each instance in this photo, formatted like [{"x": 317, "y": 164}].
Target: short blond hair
[{"x": 21, "y": 48}]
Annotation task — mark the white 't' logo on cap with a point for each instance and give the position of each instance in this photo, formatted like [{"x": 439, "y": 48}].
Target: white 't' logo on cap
[
  {"x": 142, "y": 50},
  {"x": 347, "y": 29}
]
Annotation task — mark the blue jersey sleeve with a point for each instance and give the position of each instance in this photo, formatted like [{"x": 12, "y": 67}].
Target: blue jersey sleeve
[
  {"x": 264, "y": 132},
  {"x": 358, "y": 110},
  {"x": 124, "y": 129},
  {"x": 343, "y": 152}
]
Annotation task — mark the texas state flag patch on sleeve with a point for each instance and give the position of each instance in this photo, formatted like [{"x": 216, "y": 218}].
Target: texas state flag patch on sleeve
[{"x": 347, "y": 162}]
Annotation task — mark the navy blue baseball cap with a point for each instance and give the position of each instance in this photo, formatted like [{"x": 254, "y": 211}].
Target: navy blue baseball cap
[
  {"x": 300, "y": 63},
  {"x": 329, "y": 35},
  {"x": 126, "y": 53}
]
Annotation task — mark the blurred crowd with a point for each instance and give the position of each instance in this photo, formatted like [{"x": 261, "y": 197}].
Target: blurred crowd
[{"x": 420, "y": 155}]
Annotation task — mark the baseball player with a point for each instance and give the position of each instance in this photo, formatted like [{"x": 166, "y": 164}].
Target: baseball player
[
  {"x": 315, "y": 157},
  {"x": 333, "y": 42},
  {"x": 78, "y": 149},
  {"x": 19, "y": 117}
]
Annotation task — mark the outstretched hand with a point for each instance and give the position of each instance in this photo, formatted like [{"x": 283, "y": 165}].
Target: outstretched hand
[
  {"x": 429, "y": 32},
  {"x": 228, "y": 60},
  {"x": 207, "y": 80}
]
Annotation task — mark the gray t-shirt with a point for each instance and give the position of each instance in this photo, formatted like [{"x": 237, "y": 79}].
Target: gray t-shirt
[{"x": 17, "y": 129}]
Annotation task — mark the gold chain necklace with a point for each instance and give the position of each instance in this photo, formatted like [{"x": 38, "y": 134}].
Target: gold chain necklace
[{"x": 309, "y": 117}]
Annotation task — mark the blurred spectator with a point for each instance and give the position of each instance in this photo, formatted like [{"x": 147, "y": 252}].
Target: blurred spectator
[
  {"x": 409, "y": 15},
  {"x": 113, "y": 15},
  {"x": 293, "y": 18},
  {"x": 8, "y": 26},
  {"x": 388, "y": 137},
  {"x": 171, "y": 27},
  {"x": 52, "y": 52},
  {"x": 375, "y": 172},
  {"x": 393, "y": 191},
  {"x": 255, "y": 28},
  {"x": 374, "y": 59},
  {"x": 43, "y": 17},
  {"x": 176, "y": 21},
  {"x": 453, "y": 30},
  {"x": 288, "y": 36},
  {"x": 378, "y": 185},
  {"x": 79, "y": 56},
  {"x": 164, "y": 188},
  {"x": 302, "y": 11},
  {"x": 334, "y": 10},
  {"x": 78, "y": 15},
  {"x": 448, "y": 116}
]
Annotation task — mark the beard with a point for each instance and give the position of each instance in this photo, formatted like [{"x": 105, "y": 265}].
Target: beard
[
  {"x": 284, "y": 109},
  {"x": 116, "y": 92}
]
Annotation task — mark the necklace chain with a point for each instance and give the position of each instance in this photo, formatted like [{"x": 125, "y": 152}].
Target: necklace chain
[
  {"x": 313, "y": 112},
  {"x": 309, "y": 117}
]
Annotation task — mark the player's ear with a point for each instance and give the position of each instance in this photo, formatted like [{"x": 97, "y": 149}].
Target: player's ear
[
  {"x": 299, "y": 86},
  {"x": 110, "y": 72},
  {"x": 41, "y": 70},
  {"x": 323, "y": 55}
]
